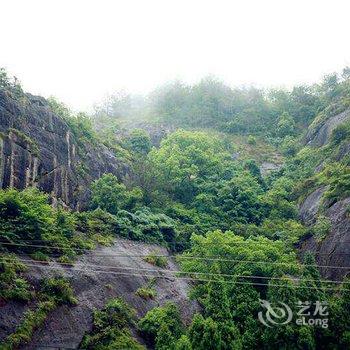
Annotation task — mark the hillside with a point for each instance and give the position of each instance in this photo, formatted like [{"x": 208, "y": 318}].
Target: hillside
[
  {"x": 227, "y": 196},
  {"x": 96, "y": 277}
]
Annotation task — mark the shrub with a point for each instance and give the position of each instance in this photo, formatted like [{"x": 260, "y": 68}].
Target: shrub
[
  {"x": 27, "y": 218},
  {"x": 340, "y": 133},
  {"x": 138, "y": 142},
  {"x": 167, "y": 316},
  {"x": 12, "y": 286},
  {"x": 157, "y": 260},
  {"x": 251, "y": 140},
  {"x": 31, "y": 320},
  {"x": 111, "y": 328},
  {"x": 59, "y": 290},
  {"x": 146, "y": 293},
  {"x": 111, "y": 195},
  {"x": 321, "y": 228},
  {"x": 39, "y": 256}
]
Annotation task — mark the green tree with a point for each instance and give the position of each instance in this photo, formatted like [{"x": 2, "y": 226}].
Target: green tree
[
  {"x": 185, "y": 159},
  {"x": 111, "y": 195},
  {"x": 139, "y": 142},
  {"x": 204, "y": 333},
  {"x": 285, "y": 125}
]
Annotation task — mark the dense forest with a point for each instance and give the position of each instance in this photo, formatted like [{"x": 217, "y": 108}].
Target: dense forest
[{"x": 201, "y": 192}]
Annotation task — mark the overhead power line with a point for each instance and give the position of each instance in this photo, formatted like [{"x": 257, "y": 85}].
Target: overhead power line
[
  {"x": 103, "y": 267},
  {"x": 215, "y": 258},
  {"x": 185, "y": 278}
]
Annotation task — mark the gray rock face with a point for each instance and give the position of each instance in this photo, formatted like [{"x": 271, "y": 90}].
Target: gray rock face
[
  {"x": 100, "y": 275},
  {"x": 309, "y": 208},
  {"x": 320, "y": 135},
  {"x": 332, "y": 253},
  {"x": 37, "y": 148}
]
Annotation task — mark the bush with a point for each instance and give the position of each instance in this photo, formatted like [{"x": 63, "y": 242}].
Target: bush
[
  {"x": 31, "y": 320},
  {"x": 289, "y": 146},
  {"x": 321, "y": 228},
  {"x": 167, "y": 316},
  {"x": 59, "y": 290},
  {"x": 111, "y": 195},
  {"x": 160, "y": 261},
  {"x": 12, "y": 286},
  {"x": 146, "y": 293},
  {"x": 26, "y": 219},
  {"x": 111, "y": 328},
  {"x": 251, "y": 140},
  {"x": 138, "y": 142},
  {"x": 340, "y": 133},
  {"x": 39, "y": 256}
]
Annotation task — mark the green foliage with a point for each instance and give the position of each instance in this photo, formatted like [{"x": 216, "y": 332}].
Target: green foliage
[
  {"x": 31, "y": 320},
  {"x": 53, "y": 292},
  {"x": 340, "y": 324},
  {"x": 184, "y": 160},
  {"x": 146, "y": 293},
  {"x": 156, "y": 260},
  {"x": 138, "y": 142},
  {"x": 321, "y": 228},
  {"x": 205, "y": 333},
  {"x": 111, "y": 195},
  {"x": 10, "y": 84},
  {"x": 251, "y": 140},
  {"x": 337, "y": 177},
  {"x": 111, "y": 328},
  {"x": 12, "y": 285},
  {"x": 183, "y": 343},
  {"x": 289, "y": 146},
  {"x": 39, "y": 256},
  {"x": 285, "y": 125},
  {"x": 58, "y": 290},
  {"x": 341, "y": 133},
  {"x": 142, "y": 225},
  {"x": 27, "y": 219},
  {"x": 24, "y": 215},
  {"x": 162, "y": 325}
]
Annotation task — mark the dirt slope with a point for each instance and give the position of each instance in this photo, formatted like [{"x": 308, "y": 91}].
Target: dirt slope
[{"x": 65, "y": 327}]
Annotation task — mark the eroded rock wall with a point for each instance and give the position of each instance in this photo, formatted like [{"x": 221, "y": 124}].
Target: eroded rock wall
[{"x": 37, "y": 148}]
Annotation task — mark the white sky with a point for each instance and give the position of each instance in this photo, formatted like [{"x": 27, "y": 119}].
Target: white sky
[{"x": 78, "y": 50}]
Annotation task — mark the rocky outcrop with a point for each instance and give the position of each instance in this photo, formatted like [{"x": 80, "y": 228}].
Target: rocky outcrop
[
  {"x": 333, "y": 252},
  {"x": 37, "y": 148},
  {"x": 100, "y": 275},
  {"x": 320, "y": 134},
  {"x": 309, "y": 208}
]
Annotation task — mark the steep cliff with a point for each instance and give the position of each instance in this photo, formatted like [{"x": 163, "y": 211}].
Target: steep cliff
[
  {"x": 37, "y": 148},
  {"x": 333, "y": 250},
  {"x": 320, "y": 131}
]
